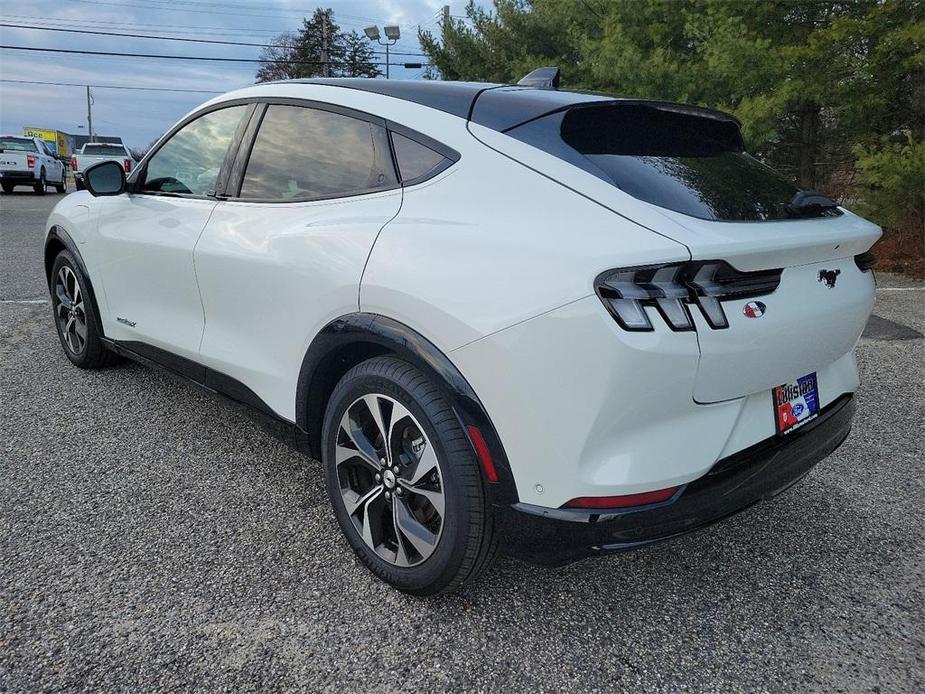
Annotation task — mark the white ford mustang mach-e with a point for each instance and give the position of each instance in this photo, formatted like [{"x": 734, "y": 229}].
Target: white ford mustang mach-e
[{"x": 504, "y": 316}]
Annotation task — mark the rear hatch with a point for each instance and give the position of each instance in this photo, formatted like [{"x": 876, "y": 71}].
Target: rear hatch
[
  {"x": 14, "y": 153},
  {"x": 689, "y": 166}
]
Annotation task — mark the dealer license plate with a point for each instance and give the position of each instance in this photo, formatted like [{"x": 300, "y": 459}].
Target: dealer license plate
[{"x": 796, "y": 403}]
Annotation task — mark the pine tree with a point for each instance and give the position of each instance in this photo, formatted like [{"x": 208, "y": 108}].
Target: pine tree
[
  {"x": 319, "y": 49},
  {"x": 358, "y": 57}
]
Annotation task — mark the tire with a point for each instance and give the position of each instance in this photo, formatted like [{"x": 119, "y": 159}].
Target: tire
[
  {"x": 7, "y": 188},
  {"x": 426, "y": 441},
  {"x": 62, "y": 187},
  {"x": 41, "y": 187},
  {"x": 77, "y": 329}
]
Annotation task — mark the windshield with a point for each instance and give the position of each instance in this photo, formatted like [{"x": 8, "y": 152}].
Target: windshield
[
  {"x": 108, "y": 150},
  {"x": 671, "y": 157},
  {"x": 17, "y": 144}
]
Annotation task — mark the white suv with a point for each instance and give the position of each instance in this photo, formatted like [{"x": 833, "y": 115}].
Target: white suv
[{"x": 558, "y": 323}]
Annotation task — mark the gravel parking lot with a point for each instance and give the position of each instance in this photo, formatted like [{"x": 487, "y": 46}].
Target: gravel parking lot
[{"x": 153, "y": 537}]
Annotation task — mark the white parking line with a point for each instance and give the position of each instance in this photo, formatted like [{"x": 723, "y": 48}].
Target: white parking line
[
  {"x": 901, "y": 289},
  {"x": 23, "y": 301}
]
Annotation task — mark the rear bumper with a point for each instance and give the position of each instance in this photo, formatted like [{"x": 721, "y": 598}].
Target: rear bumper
[
  {"x": 17, "y": 176},
  {"x": 559, "y": 536}
]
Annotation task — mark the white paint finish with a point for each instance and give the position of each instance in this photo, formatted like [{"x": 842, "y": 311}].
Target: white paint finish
[
  {"x": 520, "y": 245},
  {"x": 756, "y": 418},
  {"x": 805, "y": 327},
  {"x": 494, "y": 263},
  {"x": 273, "y": 275},
  {"x": 785, "y": 243},
  {"x": 144, "y": 250},
  {"x": 584, "y": 408}
]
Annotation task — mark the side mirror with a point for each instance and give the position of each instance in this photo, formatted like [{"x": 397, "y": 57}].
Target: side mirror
[{"x": 105, "y": 178}]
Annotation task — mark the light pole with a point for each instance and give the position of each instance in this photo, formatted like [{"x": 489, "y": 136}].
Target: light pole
[{"x": 392, "y": 34}]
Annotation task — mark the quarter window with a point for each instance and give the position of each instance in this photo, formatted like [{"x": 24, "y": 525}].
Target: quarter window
[
  {"x": 305, "y": 153},
  {"x": 415, "y": 161},
  {"x": 190, "y": 161}
]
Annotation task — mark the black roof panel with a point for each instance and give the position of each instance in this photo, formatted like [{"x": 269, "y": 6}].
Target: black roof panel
[
  {"x": 452, "y": 97},
  {"x": 496, "y": 106}
]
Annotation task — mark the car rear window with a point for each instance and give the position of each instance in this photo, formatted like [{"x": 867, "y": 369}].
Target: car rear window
[
  {"x": 106, "y": 150},
  {"x": 17, "y": 144},
  {"x": 679, "y": 158}
]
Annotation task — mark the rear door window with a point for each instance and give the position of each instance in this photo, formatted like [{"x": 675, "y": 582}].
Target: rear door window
[
  {"x": 303, "y": 153},
  {"x": 680, "y": 159}
]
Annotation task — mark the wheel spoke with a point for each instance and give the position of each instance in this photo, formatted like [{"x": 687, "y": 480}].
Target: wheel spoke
[
  {"x": 401, "y": 554},
  {"x": 399, "y": 414},
  {"x": 426, "y": 464},
  {"x": 342, "y": 454},
  {"x": 367, "y": 531},
  {"x": 361, "y": 499},
  {"x": 422, "y": 539},
  {"x": 364, "y": 447},
  {"x": 374, "y": 405},
  {"x": 63, "y": 282},
  {"x": 435, "y": 498},
  {"x": 63, "y": 298},
  {"x": 81, "y": 329}
]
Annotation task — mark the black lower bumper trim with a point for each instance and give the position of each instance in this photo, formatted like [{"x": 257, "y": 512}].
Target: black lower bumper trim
[
  {"x": 558, "y": 536},
  {"x": 17, "y": 177}
]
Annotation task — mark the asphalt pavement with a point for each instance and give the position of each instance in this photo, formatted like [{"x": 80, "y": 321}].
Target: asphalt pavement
[{"x": 155, "y": 538}]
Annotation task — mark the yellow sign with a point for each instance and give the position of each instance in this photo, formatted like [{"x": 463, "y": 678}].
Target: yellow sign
[
  {"x": 56, "y": 139},
  {"x": 41, "y": 133}
]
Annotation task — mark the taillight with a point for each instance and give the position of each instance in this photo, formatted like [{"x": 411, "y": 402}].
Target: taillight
[
  {"x": 74, "y": 163},
  {"x": 671, "y": 289},
  {"x": 622, "y": 501},
  {"x": 30, "y": 161},
  {"x": 865, "y": 261},
  {"x": 128, "y": 165}
]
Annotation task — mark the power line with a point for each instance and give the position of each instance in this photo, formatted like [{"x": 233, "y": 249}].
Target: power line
[
  {"x": 133, "y": 26},
  {"x": 173, "y": 38},
  {"x": 167, "y": 57},
  {"x": 147, "y": 5},
  {"x": 112, "y": 86}
]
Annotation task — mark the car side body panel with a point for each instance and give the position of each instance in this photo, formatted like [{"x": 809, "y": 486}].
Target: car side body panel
[
  {"x": 272, "y": 275},
  {"x": 522, "y": 245}
]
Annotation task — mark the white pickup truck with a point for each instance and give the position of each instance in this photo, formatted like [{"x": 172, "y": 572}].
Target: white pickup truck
[
  {"x": 26, "y": 161},
  {"x": 96, "y": 152}
]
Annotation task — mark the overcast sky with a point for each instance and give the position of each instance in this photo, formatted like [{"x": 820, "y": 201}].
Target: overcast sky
[{"x": 141, "y": 116}]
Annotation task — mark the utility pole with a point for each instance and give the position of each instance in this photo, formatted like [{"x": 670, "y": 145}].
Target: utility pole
[
  {"x": 89, "y": 114},
  {"x": 446, "y": 17}
]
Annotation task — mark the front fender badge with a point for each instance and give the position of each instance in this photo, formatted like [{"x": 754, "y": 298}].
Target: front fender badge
[{"x": 754, "y": 309}]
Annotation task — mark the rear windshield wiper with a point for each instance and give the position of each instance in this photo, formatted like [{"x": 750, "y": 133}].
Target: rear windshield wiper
[{"x": 808, "y": 203}]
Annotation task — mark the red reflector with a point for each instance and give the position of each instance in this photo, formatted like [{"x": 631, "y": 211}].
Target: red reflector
[
  {"x": 74, "y": 163},
  {"x": 623, "y": 501},
  {"x": 128, "y": 165},
  {"x": 481, "y": 450}
]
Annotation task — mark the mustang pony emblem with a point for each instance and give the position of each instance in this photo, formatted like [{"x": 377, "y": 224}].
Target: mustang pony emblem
[{"x": 829, "y": 277}]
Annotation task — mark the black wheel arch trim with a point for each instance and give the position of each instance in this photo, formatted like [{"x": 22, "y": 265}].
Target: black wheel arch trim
[
  {"x": 390, "y": 335},
  {"x": 57, "y": 235}
]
